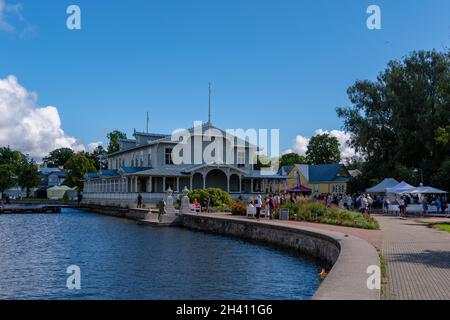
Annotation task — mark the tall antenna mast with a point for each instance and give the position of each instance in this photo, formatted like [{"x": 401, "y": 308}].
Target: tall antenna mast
[
  {"x": 147, "y": 121},
  {"x": 209, "y": 105}
]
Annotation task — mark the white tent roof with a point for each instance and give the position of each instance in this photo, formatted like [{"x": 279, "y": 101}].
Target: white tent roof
[
  {"x": 427, "y": 190},
  {"x": 383, "y": 185},
  {"x": 402, "y": 187}
]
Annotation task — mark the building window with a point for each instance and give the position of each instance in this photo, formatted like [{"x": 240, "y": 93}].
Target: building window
[
  {"x": 241, "y": 158},
  {"x": 168, "y": 156}
]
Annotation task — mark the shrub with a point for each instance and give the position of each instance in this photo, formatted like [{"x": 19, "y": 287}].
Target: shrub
[
  {"x": 238, "y": 208},
  {"x": 219, "y": 198},
  {"x": 318, "y": 212}
]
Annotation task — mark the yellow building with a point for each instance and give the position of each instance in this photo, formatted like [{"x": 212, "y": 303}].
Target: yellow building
[{"x": 317, "y": 179}]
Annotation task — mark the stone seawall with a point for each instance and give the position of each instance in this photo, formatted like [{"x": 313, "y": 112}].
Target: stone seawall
[
  {"x": 349, "y": 256},
  {"x": 312, "y": 244},
  {"x": 133, "y": 214}
]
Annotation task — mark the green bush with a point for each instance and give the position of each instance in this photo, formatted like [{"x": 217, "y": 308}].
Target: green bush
[
  {"x": 317, "y": 212},
  {"x": 219, "y": 198}
]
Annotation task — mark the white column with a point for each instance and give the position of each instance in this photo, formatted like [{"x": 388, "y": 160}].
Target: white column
[
  {"x": 251, "y": 185},
  {"x": 204, "y": 180},
  {"x": 240, "y": 184},
  {"x": 191, "y": 182},
  {"x": 164, "y": 184},
  {"x": 135, "y": 184},
  {"x": 178, "y": 184},
  {"x": 150, "y": 183},
  {"x": 228, "y": 183}
]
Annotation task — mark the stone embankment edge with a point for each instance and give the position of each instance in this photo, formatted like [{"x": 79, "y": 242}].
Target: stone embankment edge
[{"x": 349, "y": 256}]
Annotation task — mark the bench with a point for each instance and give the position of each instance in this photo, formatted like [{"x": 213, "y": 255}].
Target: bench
[{"x": 251, "y": 211}]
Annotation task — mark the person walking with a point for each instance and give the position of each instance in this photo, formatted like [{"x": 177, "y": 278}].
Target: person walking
[
  {"x": 139, "y": 201},
  {"x": 424, "y": 206},
  {"x": 258, "y": 206},
  {"x": 401, "y": 206},
  {"x": 271, "y": 207}
]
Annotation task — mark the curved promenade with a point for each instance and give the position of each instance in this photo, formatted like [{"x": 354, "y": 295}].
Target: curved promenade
[{"x": 349, "y": 255}]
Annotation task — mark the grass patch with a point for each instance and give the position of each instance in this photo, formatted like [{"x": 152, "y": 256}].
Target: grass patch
[
  {"x": 311, "y": 211},
  {"x": 442, "y": 226},
  {"x": 384, "y": 274}
]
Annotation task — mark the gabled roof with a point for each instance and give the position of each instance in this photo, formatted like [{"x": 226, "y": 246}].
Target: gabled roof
[
  {"x": 326, "y": 173},
  {"x": 318, "y": 173},
  {"x": 167, "y": 138}
]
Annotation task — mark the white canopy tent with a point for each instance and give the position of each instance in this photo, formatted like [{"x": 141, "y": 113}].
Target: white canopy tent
[
  {"x": 402, "y": 187},
  {"x": 426, "y": 190},
  {"x": 57, "y": 192},
  {"x": 383, "y": 185}
]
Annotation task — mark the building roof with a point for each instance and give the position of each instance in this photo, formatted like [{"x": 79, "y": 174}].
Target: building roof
[
  {"x": 167, "y": 138},
  {"x": 318, "y": 173},
  {"x": 133, "y": 169},
  {"x": 326, "y": 173}
]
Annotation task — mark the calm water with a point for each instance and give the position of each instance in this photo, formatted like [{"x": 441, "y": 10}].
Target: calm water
[{"x": 121, "y": 260}]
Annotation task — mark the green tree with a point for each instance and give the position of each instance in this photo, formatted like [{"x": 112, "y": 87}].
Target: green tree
[
  {"x": 11, "y": 157},
  {"x": 400, "y": 121},
  {"x": 323, "y": 149},
  {"x": 114, "y": 137},
  {"x": 99, "y": 157},
  {"x": 441, "y": 178},
  {"x": 77, "y": 166},
  {"x": 290, "y": 159},
  {"x": 262, "y": 162},
  {"x": 28, "y": 175},
  {"x": 58, "y": 157},
  {"x": 10, "y": 163},
  {"x": 6, "y": 177}
]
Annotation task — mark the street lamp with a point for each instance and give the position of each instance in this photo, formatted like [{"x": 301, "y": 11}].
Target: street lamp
[{"x": 421, "y": 175}]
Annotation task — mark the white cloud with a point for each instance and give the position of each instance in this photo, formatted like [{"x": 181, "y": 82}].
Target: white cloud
[
  {"x": 13, "y": 21},
  {"x": 93, "y": 145},
  {"x": 4, "y": 25},
  {"x": 300, "y": 144},
  {"x": 27, "y": 127}
]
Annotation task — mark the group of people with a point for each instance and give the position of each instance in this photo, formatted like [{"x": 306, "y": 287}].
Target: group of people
[
  {"x": 403, "y": 201},
  {"x": 270, "y": 202},
  {"x": 202, "y": 207}
]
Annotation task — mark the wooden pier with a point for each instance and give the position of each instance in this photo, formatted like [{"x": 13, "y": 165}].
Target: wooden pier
[{"x": 31, "y": 209}]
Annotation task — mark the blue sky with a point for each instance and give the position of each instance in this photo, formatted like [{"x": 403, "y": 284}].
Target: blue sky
[{"x": 274, "y": 64}]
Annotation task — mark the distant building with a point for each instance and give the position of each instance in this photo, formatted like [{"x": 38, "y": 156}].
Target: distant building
[
  {"x": 51, "y": 177},
  {"x": 316, "y": 179},
  {"x": 355, "y": 173},
  {"x": 145, "y": 166}
]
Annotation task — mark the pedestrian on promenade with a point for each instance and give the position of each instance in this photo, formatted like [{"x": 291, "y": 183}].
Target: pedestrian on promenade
[
  {"x": 196, "y": 206},
  {"x": 139, "y": 201},
  {"x": 270, "y": 209},
  {"x": 402, "y": 207},
  {"x": 258, "y": 206},
  {"x": 424, "y": 206}
]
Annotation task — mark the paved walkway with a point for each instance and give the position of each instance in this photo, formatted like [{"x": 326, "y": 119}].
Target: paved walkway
[
  {"x": 371, "y": 236},
  {"x": 417, "y": 258}
]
